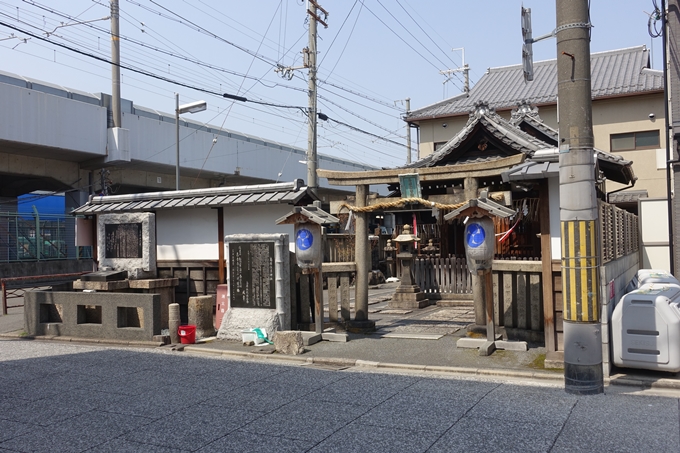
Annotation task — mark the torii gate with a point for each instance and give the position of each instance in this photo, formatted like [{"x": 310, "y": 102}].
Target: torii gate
[{"x": 469, "y": 173}]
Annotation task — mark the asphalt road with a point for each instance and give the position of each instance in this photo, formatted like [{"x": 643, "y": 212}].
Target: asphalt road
[{"x": 63, "y": 397}]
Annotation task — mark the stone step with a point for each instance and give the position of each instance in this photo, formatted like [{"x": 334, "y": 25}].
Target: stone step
[{"x": 458, "y": 303}]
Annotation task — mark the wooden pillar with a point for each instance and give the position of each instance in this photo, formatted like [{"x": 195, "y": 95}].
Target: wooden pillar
[
  {"x": 220, "y": 244},
  {"x": 471, "y": 186},
  {"x": 546, "y": 265}
]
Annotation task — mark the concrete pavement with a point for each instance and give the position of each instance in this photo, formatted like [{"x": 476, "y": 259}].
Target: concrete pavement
[{"x": 59, "y": 397}]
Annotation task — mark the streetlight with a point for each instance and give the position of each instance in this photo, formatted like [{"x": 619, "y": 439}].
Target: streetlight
[{"x": 193, "y": 107}]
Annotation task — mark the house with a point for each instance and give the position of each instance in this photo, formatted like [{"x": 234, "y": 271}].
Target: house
[
  {"x": 190, "y": 225},
  {"x": 628, "y": 113}
]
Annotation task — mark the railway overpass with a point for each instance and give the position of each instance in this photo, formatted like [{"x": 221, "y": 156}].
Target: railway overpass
[{"x": 61, "y": 139}]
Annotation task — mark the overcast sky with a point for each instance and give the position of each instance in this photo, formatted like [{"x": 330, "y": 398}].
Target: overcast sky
[{"x": 373, "y": 55}]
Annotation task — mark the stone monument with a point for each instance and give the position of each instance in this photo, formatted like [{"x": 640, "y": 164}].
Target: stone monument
[
  {"x": 259, "y": 284},
  {"x": 127, "y": 242}
]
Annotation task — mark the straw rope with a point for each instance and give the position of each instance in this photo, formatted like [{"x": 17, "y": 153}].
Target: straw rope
[{"x": 398, "y": 203}]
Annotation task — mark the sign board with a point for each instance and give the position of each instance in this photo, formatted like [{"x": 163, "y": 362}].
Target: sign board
[
  {"x": 123, "y": 240},
  {"x": 252, "y": 275},
  {"x": 409, "y": 185}
]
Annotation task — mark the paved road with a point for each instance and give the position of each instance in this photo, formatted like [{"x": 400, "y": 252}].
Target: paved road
[{"x": 63, "y": 397}]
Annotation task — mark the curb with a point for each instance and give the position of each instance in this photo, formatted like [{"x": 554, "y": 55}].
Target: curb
[
  {"x": 351, "y": 363},
  {"x": 620, "y": 380},
  {"x": 79, "y": 340}
]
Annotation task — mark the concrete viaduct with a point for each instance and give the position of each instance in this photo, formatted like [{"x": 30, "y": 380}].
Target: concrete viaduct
[{"x": 59, "y": 139}]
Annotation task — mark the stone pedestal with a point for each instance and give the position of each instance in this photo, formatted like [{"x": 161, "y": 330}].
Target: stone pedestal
[
  {"x": 408, "y": 297},
  {"x": 163, "y": 286},
  {"x": 408, "y": 294},
  {"x": 201, "y": 315}
]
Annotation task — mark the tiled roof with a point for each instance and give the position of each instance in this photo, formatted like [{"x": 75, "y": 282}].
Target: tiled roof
[
  {"x": 279, "y": 193},
  {"x": 613, "y": 73},
  {"x": 513, "y": 137}
]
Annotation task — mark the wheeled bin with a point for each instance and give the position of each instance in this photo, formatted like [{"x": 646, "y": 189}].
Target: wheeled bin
[
  {"x": 645, "y": 328},
  {"x": 644, "y": 276}
]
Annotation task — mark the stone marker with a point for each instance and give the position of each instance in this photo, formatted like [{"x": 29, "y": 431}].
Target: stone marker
[
  {"x": 288, "y": 342},
  {"x": 201, "y": 315},
  {"x": 173, "y": 322}
]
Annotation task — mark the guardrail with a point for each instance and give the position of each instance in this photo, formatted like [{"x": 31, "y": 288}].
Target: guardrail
[{"x": 12, "y": 285}]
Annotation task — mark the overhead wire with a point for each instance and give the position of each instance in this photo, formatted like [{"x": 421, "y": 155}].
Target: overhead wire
[{"x": 162, "y": 78}]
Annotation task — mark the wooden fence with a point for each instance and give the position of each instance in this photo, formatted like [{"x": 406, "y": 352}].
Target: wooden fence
[
  {"x": 440, "y": 276},
  {"x": 517, "y": 290}
]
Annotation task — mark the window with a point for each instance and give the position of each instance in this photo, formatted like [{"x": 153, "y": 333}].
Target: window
[
  {"x": 634, "y": 140},
  {"x": 438, "y": 145}
]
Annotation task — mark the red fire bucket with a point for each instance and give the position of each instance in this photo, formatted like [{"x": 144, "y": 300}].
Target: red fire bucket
[{"x": 187, "y": 334}]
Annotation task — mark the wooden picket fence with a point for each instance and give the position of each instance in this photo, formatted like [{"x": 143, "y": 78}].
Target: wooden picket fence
[{"x": 437, "y": 275}]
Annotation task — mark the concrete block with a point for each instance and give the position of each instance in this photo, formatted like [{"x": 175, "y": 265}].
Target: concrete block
[
  {"x": 339, "y": 337},
  {"x": 512, "y": 345},
  {"x": 110, "y": 316},
  {"x": 470, "y": 343},
  {"x": 310, "y": 338},
  {"x": 487, "y": 348}
]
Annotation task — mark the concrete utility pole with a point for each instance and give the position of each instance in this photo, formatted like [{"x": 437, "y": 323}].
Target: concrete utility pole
[
  {"x": 312, "y": 11},
  {"x": 583, "y": 372},
  {"x": 408, "y": 132},
  {"x": 465, "y": 69},
  {"x": 671, "y": 61},
  {"x": 115, "y": 66}
]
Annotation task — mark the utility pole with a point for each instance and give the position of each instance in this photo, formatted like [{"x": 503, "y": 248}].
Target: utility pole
[
  {"x": 312, "y": 11},
  {"x": 583, "y": 374},
  {"x": 115, "y": 66},
  {"x": 408, "y": 132},
  {"x": 465, "y": 69}
]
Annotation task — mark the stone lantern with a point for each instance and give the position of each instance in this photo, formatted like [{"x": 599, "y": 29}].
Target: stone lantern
[
  {"x": 389, "y": 250},
  {"x": 430, "y": 249},
  {"x": 408, "y": 294}
]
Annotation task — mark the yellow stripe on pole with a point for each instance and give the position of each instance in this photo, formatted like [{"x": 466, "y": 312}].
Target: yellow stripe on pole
[
  {"x": 579, "y": 271},
  {"x": 573, "y": 282}
]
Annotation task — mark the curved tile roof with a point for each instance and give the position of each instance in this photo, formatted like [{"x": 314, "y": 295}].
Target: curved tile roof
[{"x": 613, "y": 73}]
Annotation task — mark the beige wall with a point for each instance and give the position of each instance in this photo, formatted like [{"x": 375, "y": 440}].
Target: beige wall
[
  {"x": 610, "y": 116},
  {"x": 619, "y": 115}
]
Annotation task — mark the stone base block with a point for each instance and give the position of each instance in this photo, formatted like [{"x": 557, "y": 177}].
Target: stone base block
[
  {"x": 512, "y": 345},
  {"x": 332, "y": 336},
  {"x": 310, "y": 338},
  {"x": 289, "y": 342},
  {"x": 363, "y": 326},
  {"x": 405, "y": 298},
  {"x": 200, "y": 313}
]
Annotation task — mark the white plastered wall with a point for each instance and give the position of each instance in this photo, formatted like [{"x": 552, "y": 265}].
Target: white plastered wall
[
  {"x": 555, "y": 233},
  {"x": 191, "y": 234}
]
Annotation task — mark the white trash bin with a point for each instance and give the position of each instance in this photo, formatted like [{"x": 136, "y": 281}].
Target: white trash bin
[{"x": 646, "y": 328}]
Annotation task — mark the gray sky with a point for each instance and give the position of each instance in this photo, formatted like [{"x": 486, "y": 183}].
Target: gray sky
[{"x": 373, "y": 55}]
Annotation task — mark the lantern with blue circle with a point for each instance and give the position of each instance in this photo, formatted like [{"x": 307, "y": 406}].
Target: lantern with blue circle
[
  {"x": 308, "y": 239},
  {"x": 308, "y": 245},
  {"x": 480, "y": 240},
  {"x": 479, "y": 243}
]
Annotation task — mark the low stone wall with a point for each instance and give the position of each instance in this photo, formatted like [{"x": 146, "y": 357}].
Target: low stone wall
[{"x": 110, "y": 316}]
